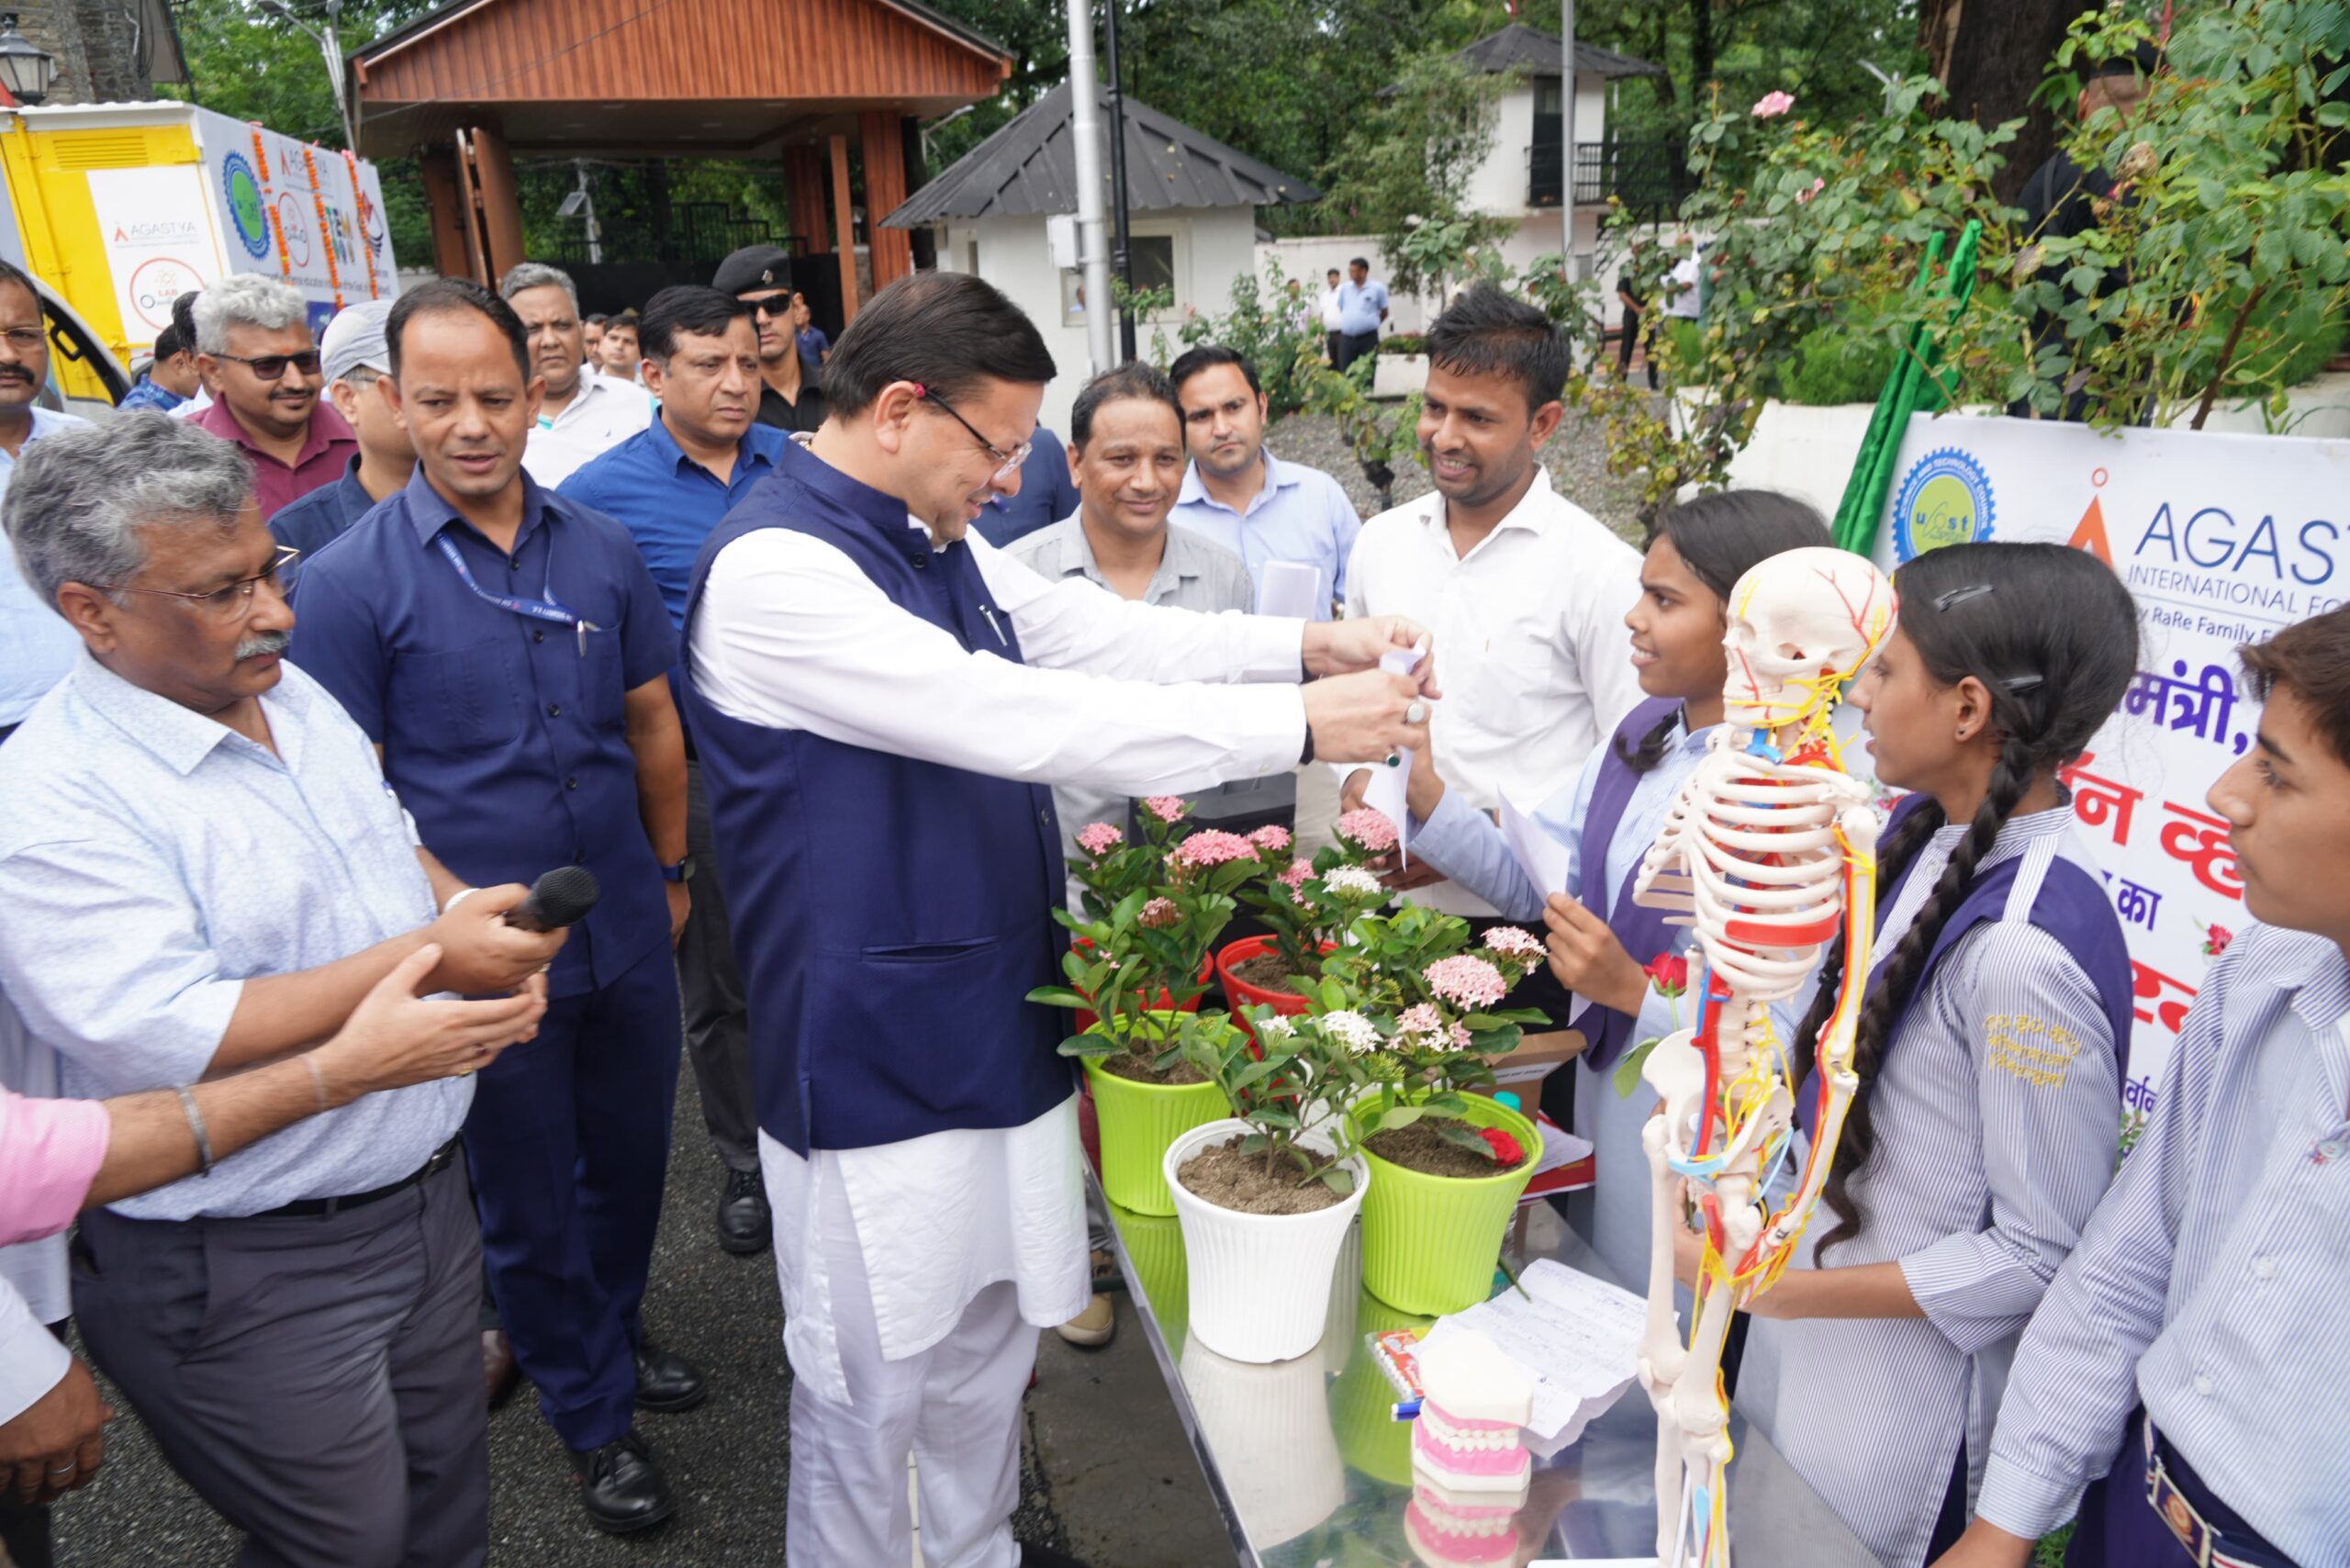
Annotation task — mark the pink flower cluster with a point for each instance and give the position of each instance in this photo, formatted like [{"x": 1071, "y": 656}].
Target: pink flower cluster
[
  {"x": 1295, "y": 880},
  {"x": 1769, "y": 106},
  {"x": 1159, "y": 914},
  {"x": 1166, "y": 808},
  {"x": 1099, "y": 838},
  {"x": 1426, "y": 1027},
  {"x": 1273, "y": 838},
  {"x": 1213, "y": 847},
  {"x": 1367, "y": 829},
  {"x": 1465, "y": 981},
  {"x": 1512, "y": 942}
]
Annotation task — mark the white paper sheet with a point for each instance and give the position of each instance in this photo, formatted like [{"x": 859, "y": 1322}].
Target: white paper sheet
[
  {"x": 1287, "y": 589},
  {"x": 1578, "y": 1338},
  {"x": 1386, "y": 792},
  {"x": 1544, "y": 859}
]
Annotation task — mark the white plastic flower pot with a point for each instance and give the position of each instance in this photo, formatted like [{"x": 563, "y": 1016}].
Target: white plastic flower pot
[
  {"x": 1261, "y": 1283},
  {"x": 1269, "y": 1426}
]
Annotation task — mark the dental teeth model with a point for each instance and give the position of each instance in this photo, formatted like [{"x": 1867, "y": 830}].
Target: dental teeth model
[
  {"x": 1768, "y": 852},
  {"x": 1467, "y": 1446}
]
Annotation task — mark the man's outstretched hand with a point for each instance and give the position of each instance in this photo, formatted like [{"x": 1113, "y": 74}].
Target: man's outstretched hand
[
  {"x": 1364, "y": 717},
  {"x": 1340, "y": 648}
]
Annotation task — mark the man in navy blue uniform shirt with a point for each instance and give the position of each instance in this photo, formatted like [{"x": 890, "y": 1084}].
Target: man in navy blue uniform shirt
[
  {"x": 669, "y": 486},
  {"x": 508, "y": 653}
]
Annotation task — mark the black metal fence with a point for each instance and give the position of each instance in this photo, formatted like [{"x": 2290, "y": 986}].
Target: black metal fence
[
  {"x": 697, "y": 232},
  {"x": 1650, "y": 178}
]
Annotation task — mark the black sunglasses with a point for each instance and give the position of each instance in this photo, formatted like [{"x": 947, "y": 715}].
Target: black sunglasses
[{"x": 271, "y": 367}]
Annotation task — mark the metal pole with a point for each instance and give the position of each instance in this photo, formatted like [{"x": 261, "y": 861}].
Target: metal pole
[
  {"x": 1085, "y": 109},
  {"x": 1567, "y": 127},
  {"x": 1121, "y": 253}
]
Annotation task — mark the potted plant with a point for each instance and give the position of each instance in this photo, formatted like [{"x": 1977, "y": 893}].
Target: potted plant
[
  {"x": 1449, "y": 1162},
  {"x": 1305, "y": 909},
  {"x": 1139, "y": 958},
  {"x": 1266, "y": 1196}
]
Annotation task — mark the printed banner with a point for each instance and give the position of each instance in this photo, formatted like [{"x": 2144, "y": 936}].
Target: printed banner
[
  {"x": 157, "y": 232},
  {"x": 298, "y": 212},
  {"x": 2224, "y": 539}
]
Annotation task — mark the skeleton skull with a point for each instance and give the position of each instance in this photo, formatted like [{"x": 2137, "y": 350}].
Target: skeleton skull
[{"x": 1796, "y": 619}]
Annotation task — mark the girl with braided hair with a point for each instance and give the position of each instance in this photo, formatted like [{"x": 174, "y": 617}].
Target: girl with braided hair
[
  {"x": 1990, "y": 1046},
  {"x": 1607, "y": 816}
]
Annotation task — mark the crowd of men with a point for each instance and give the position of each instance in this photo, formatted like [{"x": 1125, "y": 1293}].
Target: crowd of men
[{"x": 302, "y": 690}]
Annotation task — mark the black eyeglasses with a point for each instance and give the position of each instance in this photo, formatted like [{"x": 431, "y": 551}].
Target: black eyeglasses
[
  {"x": 774, "y": 305},
  {"x": 1007, "y": 460},
  {"x": 225, "y": 603},
  {"x": 271, "y": 367}
]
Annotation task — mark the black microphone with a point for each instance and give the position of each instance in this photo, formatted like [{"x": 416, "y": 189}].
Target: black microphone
[{"x": 560, "y": 898}]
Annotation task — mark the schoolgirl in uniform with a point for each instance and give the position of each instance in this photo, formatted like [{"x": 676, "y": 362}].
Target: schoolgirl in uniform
[
  {"x": 1991, "y": 1047},
  {"x": 1599, "y": 941}
]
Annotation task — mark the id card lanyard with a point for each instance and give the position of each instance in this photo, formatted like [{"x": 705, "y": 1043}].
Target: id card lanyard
[{"x": 543, "y": 607}]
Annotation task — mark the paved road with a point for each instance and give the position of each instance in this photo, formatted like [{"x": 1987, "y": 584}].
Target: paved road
[{"x": 727, "y": 1460}]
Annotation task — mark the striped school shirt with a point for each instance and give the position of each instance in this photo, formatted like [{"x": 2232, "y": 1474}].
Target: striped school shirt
[
  {"x": 2211, "y": 1284},
  {"x": 1988, "y": 1165}
]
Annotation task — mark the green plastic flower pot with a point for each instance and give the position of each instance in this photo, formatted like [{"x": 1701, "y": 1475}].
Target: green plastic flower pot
[
  {"x": 1138, "y": 1122},
  {"x": 1362, "y": 1400},
  {"x": 1154, "y": 1246},
  {"x": 1429, "y": 1243}
]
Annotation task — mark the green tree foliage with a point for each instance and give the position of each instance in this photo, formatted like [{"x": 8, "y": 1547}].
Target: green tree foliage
[{"x": 1405, "y": 175}]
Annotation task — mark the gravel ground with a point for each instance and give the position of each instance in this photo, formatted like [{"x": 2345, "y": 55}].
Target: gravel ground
[
  {"x": 1575, "y": 454},
  {"x": 727, "y": 1460}
]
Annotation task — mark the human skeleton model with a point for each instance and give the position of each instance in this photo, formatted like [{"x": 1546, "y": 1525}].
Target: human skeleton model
[{"x": 1768, "y": 850}]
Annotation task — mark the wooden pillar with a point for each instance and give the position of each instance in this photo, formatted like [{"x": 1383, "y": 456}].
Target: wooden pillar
[
  {"x": 445, "y": 204},
  {"x": 501, "y": 204},
  {"x": 844, "y": 229},
  {"x": 805, "y": 167},
  {"x": 885, "y": 191}
]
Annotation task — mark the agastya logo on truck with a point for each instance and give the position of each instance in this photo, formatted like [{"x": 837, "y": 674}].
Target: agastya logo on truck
[{"x": 247, "y": 213}]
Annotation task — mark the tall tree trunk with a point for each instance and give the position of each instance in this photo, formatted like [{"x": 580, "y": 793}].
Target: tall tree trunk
[{"x": 1991, "y": 55}]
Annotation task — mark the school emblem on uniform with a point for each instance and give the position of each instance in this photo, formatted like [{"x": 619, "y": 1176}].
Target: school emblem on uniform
[
  {"x": 247, "y": 213},
  {"x": 1945, "y": 498}
]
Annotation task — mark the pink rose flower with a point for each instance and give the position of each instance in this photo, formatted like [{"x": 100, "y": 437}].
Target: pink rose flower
[
  {"x": 1465, "y": 981},
  {"x": 1166, "y": 808},
  {"x": 1512, "y": 942},
  {"x": 1273, "y": 838},
  {"x": 1769, "y": 106},
  {"x": 1368, "y": 830},
  {"x": 1804, "y": 196},
  {"x": 1159, "y": 914},
  {"x": 1099, "y": 838},
  {"x": 1213, "y": 847}
]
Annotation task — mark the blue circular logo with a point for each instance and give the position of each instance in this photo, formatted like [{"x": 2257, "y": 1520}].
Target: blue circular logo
[
  {"x": 1945, "y": 500},
  {"x": 248, "y": 214}
]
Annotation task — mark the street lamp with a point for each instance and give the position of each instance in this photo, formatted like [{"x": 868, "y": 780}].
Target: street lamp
[
  {"x": 331, "y": 47},
  {"x": 26, "y": 70}
]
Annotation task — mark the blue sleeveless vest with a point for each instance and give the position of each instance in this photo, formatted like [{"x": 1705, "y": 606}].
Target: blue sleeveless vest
[
  {"x": 888, "y": 915},
  {"x": 2072, "y": 906},
  {"x": 1643, "y": 932}
]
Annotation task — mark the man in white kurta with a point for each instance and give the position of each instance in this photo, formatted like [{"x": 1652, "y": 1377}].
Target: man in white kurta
[{"x": 915, "y": 1271}]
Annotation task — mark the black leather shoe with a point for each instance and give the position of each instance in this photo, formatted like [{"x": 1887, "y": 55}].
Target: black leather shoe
[
  {"x": 621, "y": 1488},
  {"x": 666, "y": 1382},
  {"x": 746, "y": 1223},
  {"x": 1045, "y": 1557}
]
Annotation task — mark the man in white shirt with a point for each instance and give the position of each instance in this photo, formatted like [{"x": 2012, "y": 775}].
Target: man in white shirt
[
  {"x": 1524, "y": 591},
  {"x": 584, "y": 415},
  {"x": 881, "y": 702},
  {"x": 1330, "y": 315},
  {"x": 1684, "y": 289}
]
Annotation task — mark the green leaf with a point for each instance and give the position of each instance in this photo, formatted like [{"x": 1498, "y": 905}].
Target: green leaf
[
  {"x": 1338, "y": 1178},
  {"x": 1060, "y": 996},
  {"x": 1462, "y": 1136},
  {"x": 1095, "y": 1046},
  {"x": 1626, "y": 1076}
]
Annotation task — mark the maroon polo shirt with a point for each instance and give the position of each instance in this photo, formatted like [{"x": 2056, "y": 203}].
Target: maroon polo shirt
[{"x": 326, "y": 452}]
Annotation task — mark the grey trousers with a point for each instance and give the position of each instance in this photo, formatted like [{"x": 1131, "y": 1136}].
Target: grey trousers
[
  {"x": 718, "y": 1030},
  {"x": 316, "y": 1380}
]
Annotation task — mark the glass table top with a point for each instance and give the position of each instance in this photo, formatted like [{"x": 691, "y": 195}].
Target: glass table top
[{"x": 1310, "y": 1471}]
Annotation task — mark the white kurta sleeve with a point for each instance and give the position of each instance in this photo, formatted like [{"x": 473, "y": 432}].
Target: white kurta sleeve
[
  {"x": 1068, "y": 623},
  {"x": 791, "y": 635},
  {"x": 31, "y": 1361}
]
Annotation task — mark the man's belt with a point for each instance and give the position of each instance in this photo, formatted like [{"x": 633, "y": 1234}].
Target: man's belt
[
  {"x": 2174, "y": 1504},
  {"x": 310, "y": 1208}
]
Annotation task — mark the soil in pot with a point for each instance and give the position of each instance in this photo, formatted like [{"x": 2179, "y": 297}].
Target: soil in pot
[
  {"x": 1267, "y": 972},
  {"x": 1135, "y": 1069},
  {"x": 1222, "y": 1175},
  {"x": 1422, "y": 1149}
]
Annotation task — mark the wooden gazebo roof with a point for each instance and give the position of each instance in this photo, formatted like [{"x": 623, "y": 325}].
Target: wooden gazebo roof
[{"x": 705, "y": 77}]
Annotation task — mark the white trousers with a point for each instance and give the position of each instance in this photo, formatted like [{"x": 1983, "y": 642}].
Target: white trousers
[{"x": 954, "y": 1408}]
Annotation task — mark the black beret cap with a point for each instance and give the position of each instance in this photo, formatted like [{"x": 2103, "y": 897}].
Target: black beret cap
[{"x": 754, "y": 267}]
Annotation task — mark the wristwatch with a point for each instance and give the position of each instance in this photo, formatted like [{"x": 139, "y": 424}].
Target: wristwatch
[{"x": 681, "y": 872}]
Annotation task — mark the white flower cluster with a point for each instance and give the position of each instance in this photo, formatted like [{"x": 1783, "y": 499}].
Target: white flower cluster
[
  {"x": 1352, "y": 1030},
  {"x": 1277, "y": 1027},
  {"x": 1354, "y": 882}
]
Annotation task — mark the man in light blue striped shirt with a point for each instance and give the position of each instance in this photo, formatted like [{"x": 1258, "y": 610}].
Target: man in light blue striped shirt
[{"x": 2208, "y": 1288}]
